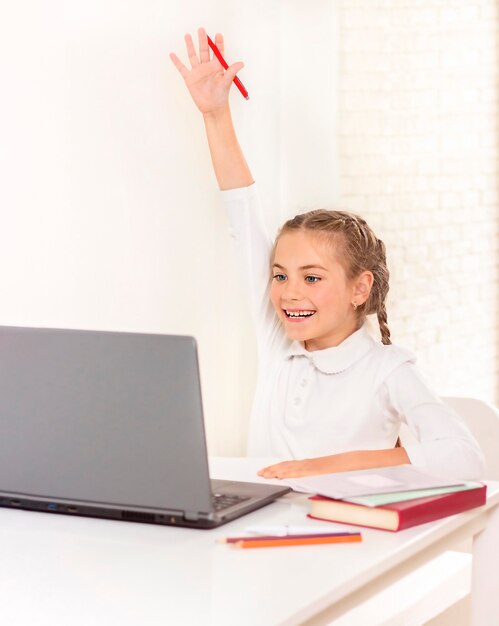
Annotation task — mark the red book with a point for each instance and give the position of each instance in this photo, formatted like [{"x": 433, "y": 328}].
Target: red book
[{"x": 397, "y": 515}]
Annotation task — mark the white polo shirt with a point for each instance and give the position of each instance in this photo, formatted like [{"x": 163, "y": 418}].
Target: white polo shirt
[{"x": 353, "y": 396}]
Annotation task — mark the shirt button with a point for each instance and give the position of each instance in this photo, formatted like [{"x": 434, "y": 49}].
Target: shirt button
[
  {"x": 304, "y": 382},
  {"x": 297, "y": 401}
]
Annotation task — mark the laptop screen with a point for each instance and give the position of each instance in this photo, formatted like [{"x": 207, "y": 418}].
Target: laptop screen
[{"x": 102, "y": 417}]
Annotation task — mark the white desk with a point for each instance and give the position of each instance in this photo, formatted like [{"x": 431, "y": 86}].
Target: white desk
[{"x": 56, "y": 569}]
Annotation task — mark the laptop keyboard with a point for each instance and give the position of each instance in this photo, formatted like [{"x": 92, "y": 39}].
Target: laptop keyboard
[{"x": 222, "y": 501}]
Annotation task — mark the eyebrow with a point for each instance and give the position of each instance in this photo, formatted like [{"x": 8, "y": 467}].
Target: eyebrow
[{"x": 303, "y": 267}]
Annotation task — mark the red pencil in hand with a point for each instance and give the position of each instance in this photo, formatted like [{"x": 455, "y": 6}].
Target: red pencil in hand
[{"x": 223, "y": 62}]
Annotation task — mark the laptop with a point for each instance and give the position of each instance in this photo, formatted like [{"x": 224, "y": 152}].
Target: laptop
[{"x": 110, "y": 424}]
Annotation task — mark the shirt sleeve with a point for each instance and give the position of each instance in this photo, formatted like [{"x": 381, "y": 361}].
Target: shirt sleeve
[
  {"x": 254, "y": 249},
  {"x": 445, "y": 445}
]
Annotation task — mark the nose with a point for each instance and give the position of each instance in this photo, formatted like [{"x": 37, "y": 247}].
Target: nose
[{"x": 291, "y": 290}]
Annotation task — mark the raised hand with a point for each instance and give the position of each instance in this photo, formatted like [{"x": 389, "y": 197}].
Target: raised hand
[{"x": 207, "y": 81}]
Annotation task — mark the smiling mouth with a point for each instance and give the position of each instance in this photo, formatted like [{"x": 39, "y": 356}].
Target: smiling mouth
[{"x": 298, "y": 314}]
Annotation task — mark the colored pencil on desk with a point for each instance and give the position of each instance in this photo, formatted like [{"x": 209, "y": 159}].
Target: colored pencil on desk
[
  {"x": 270, "y": 537},
  {"x": 223, "y": 63},
  {"x": 297, "y": 541}
]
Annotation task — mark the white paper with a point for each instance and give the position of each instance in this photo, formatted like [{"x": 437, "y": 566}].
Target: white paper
[
  {"x": 376, "y": 481},
  {"x": 368, "y": 482},
  {"x": 283, "y": 531}
]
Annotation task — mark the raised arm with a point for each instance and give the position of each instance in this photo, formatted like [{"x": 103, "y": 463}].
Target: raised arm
[{"x": 209, "y": 85}]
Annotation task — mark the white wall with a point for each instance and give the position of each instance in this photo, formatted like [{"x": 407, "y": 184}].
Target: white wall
[
  {"x": 110, "y": 215},
  {"x": 419, "y": 149}
]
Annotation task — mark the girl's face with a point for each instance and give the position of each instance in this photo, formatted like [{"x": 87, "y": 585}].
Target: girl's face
[{"x": 311, "y": 293}]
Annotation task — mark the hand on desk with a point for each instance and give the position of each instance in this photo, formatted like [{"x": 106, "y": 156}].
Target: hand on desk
[
  {"x": 342, "y": 462},
  {"x": 298, "y": 469}
]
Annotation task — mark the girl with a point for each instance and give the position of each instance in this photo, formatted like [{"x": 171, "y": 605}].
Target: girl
[{"x": 327, "y": 394}]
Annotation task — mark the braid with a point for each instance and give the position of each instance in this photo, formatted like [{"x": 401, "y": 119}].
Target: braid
[
  {"x": 379, "y": 291},
  {"x": 383, "y": 326}
]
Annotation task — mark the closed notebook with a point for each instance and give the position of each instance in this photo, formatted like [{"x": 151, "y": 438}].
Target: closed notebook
[
  {"x": 398, "y": 515},
  {"x": 401, "y": 496}
]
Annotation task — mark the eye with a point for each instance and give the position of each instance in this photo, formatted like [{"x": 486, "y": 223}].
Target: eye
[
  {"x": 279, "y": 277},
  {"x": 312, "y": 279}
]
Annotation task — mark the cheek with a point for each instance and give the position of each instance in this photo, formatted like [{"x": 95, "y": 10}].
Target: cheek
[
  {"x": 322, "y": 297},
  {"x": 329, "y": 299},
  {"x": 274, "y": 294}
]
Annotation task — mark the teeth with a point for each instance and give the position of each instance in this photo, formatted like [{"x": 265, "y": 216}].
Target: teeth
[{"x": 299, "y": 313}]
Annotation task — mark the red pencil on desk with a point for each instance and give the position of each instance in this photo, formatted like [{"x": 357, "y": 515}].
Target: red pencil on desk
[
  {"x": 300, "y": 536},
  {"x": 223, "y": 62}
]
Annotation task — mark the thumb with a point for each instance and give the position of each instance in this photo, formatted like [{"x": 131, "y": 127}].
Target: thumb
[{"x": 231, "y": 71}]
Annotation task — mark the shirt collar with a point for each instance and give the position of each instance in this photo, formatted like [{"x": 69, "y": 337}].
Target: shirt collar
[{"x": 338, "y": 358}]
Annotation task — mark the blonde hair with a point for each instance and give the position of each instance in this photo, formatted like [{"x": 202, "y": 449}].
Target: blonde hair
[{"x": 359, "y": 250}]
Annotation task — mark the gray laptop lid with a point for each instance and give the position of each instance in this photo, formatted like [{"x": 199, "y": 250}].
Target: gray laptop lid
[{"x": 102, "y": 417}]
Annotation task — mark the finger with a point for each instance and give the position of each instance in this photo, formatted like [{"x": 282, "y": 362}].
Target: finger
[
  {"x": 268, "y": 472},
  {"x": 270, "y": 475},
  {"x": 219, "y": 42},
  {"x": 288, "y": 473},
  {"x": 231, "y": 71},
  {"x": 265, "y": 471},
  {"x": 179, "y": 65},
  {"x": 204, "y": 51},
  {"x": 191, "y": 51}
]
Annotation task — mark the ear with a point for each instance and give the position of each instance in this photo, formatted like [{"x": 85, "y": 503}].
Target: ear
[{"x": 362, "y": 287}]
